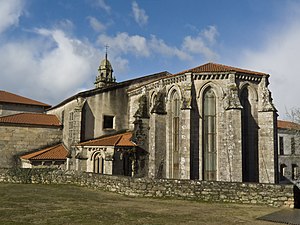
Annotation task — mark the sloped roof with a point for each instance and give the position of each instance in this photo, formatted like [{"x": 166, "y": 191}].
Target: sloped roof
[
  {"x": 114, "y": 86},
  {"x": 57, "y": 152},
  {"x": 282, "y": 124},
  {"x": 119, "y": 140},
  {"x": 214, "y": 67},
  {"x": 8, "y": 97},
  {"x": 31, "y": 119}
]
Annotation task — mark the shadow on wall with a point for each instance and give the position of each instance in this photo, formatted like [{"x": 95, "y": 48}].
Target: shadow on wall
[
  {"x": 194, "y": 140},
  {"x": 296, "y": 197}
]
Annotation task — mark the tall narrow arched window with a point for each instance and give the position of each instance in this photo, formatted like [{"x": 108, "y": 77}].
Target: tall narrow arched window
[
  {"x": 174, "y": 153},
  {"x": 209, "y": 136}
]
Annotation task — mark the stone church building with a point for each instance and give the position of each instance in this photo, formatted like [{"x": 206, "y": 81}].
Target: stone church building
[{"x": 211, "y": 122}]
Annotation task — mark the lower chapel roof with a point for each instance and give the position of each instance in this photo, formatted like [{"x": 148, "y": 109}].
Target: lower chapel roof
[
  {"x": 57, "y": 152},
  {"x": 117, "y": 140},
  {"x": 31, "y": 119}
]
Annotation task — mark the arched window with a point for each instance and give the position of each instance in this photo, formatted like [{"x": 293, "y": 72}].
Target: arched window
[
  {"x": 209, "y": 136},
  {"x": 98, "y": 166},
  {"x": 174, "y": 153}
]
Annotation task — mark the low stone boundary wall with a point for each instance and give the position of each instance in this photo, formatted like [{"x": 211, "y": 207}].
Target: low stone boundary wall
[{"x": 209, "y": 191}]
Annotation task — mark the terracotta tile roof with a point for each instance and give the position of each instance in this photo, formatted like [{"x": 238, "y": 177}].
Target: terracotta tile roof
[
  {"x": 57, "y": 152},
  {"x": 8, "y": 97},
  {"x": 281, "y": 124},
  {"x": 214, "y": 67},
  {"x": 31, "y": 119},
  {"x": 119, "y": 140}
]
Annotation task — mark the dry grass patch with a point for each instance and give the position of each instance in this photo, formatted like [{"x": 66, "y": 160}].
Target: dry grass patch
[{"x": 67, "y": 204}]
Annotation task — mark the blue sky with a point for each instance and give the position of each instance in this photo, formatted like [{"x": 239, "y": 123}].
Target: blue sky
[{"x": 51, "y": 49}]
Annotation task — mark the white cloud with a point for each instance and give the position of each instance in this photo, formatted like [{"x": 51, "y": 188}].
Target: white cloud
[
  {"x": 280, "y": 57},
  {"x": 210, "y": 34},
  {"x": 203, "y": 43},
  {"x": 96, "y": 24},
  {"x": 10, "y": 12},
  {"x": 122, "y": 43},
  {"x": 159, "y": 46},
  {"x": 102, "y": 4},
  {"x": 191, "y": 47},
  {"x": 49, "y": 67},
  {"x": 139, "y": 14}
]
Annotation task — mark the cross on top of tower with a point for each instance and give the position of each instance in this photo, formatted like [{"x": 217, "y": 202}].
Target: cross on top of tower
[
  {"x": 106, "y": 48},
  {"x": 105, "y": 70}
]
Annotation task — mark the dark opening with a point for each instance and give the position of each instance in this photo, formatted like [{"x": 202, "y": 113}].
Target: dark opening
[
  {"x": 296, "y": 197},
  {"x": 293, "y": 145},
  {"x": 108, "y": 122},
  {"x": 249, "y": 141},
  {"x": 281, "y": 148},
  {"x": 122, "y": 164}
]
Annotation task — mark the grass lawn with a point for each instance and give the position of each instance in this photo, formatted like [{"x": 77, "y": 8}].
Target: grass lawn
[{"x": 67, "y": 204}]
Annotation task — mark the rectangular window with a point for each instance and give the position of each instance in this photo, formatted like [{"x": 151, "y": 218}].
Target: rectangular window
[
  {"x": 293, "y": 146},
  {"x": 108, "y": 122},
  {"x": 281, "y": 146},
  {"x": 282, "y": 171},
  {"x": 71, "y": 126},
  {"x": 62, "y": 117},
  {"x": 294, "y": 172}
]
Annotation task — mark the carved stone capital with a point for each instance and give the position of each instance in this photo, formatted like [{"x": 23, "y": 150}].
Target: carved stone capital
[
  {"x": 142, "y": 111},
  {"x": 265, "y": 99},
  {"x": 186, "y": 98},
  {"x": 159, "y": 106},
  {"x": 231, "y": 99}
]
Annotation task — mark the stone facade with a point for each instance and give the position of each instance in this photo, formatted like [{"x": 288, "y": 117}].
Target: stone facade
[
  {"x": 231, "y": 160},
  {"x": 19, "y": 139},
  {"x": 208, "y": 191},
  {"x": 212, "y": 122},
  {"x": 289, "y": 153},
  {"x": 10, "y": 109}
]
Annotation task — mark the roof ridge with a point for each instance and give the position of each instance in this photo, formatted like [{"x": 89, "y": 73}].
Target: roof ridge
[
  {"x": 27, "y": 113},
  {"x": 226, "y": 68},
  {"x": 117, "y": 142}
]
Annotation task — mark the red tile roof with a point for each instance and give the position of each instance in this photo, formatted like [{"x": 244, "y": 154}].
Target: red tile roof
[
  {"x": 214, "y": 67},
  {"x": 31, "y": 119},
  {"x": 57, "y": 152},
  {"x": 8, "y": 97},
  {"x": 119, "y": 140},
  {"x": 281, "y": 124}
]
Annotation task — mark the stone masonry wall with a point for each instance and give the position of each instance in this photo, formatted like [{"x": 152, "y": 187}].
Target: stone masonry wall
[
  {"x": 16, "y": 140},
  {"x": 209, "y": 191}
]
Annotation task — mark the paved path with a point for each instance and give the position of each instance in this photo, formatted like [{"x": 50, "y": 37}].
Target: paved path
[{"x": 287, "y": 216}]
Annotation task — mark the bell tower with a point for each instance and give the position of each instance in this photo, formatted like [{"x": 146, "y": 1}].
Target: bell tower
[{"x": 105, "y": 73}]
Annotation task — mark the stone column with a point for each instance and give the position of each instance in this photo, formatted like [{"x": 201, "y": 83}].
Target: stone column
[
  {"x": 157, "y": 146},
  {"x": 141, "y": 137},
  {"x": 267, "y": 135},
  {"x": 230, "y": 160},
  {"x": 157, "y": 137},
  {"x": 184, "y": 149},
  {"x": 185, "y": 128}
]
